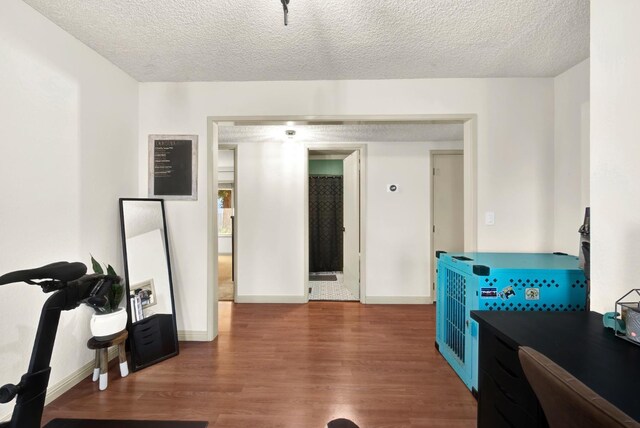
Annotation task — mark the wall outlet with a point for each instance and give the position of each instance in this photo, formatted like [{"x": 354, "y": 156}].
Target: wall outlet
[{"x": 489, "y": 218}]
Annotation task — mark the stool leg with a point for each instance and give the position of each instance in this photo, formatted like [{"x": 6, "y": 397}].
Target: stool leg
[
  {"x": 96, "y": 366},
  {"x": 122, "y": 357},
  {"x": 104, "y": 365}
]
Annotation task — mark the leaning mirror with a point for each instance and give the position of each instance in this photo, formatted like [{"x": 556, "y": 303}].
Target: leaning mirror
[{"x": 153, "y": 334}]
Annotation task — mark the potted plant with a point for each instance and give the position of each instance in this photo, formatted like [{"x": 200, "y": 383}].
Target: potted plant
[{"x": 109, "y": 318}]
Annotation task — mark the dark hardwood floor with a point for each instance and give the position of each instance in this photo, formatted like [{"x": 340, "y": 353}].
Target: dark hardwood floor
[{"x": 293, "y": 366}]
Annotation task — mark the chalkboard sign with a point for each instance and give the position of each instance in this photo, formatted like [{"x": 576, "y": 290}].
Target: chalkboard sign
[{"x": 173, "y": 167}]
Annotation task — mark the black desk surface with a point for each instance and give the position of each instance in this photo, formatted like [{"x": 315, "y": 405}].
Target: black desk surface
[{"x": 579, "y": 343}]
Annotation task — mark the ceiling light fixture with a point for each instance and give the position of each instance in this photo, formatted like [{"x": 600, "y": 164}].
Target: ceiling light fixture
[{"x": 286, "y": 11}]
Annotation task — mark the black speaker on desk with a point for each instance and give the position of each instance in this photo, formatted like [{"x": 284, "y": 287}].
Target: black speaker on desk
[{"x": 585, "y": 251}]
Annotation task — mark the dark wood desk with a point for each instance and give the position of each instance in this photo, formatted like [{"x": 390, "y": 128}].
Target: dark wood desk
[{"x": 577, "y": 341}]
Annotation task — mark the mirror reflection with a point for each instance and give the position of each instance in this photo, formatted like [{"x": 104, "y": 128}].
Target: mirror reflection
[
  {"x": 147, "y": 259},
  {"x": 153, "y": 333}
]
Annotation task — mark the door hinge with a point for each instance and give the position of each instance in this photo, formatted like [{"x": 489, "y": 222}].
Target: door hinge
[
  {"x": 434, "y": 171},
  {"x": 434, "y": 228}
]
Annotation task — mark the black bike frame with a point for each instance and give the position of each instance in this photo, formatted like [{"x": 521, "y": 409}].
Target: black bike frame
[{"x": 27, "y": 412}]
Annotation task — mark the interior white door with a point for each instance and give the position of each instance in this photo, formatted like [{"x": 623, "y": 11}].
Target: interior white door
[
  {"x": 448, "y": 206},
  {"x": 351, "y": 223}
]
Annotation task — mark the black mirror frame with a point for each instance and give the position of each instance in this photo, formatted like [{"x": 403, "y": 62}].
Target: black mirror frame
[{"x": 131, "y": 341}]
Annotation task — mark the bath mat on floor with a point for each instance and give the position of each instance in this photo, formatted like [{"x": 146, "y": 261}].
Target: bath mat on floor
[
  {"x": 323, "y": 278},
  {"x": 99, "y": 423},
  {"x": 341, "y": 423}
]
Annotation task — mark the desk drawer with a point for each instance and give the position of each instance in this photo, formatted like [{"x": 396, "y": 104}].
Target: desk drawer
[
  {"x": 147, "y": 328},
  {"x": 497, "y": 408},
  {"x": 152, "y": 339},
  {"x": 499, "y": 360},
  {"x": 494, "y": 348}
]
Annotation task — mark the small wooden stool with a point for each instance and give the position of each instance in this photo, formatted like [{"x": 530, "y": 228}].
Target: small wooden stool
[{"x": 102, "y": 357}]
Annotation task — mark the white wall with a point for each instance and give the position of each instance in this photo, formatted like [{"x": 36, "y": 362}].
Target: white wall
[
  {"x": 615, "y": 150},
  {"x": 397, "y": 226},
  {"x": 515, "y": 152},
  {"x": 270, "y": 253},
  {"x": 271, "y": 179},
  {"x": 68, "y": 121},
  {"x": 224, "y": 245},
  {"x": 571, "y": 155},
  {"x": 225, "y": 176},
  {"x": 148, "y": 262}
]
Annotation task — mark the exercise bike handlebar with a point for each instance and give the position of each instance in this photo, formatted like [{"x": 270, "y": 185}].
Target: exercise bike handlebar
[
  {"x": 92, "y": 288},
  {"x": 50, "y": 275}
]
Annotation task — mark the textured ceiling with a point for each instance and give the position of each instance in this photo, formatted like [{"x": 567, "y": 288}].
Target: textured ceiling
[
  {"x": 224, "y": 40},
  {"x": 343, "y": 133}
]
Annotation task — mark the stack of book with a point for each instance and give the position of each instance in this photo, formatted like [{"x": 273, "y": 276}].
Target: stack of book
[{"x": 137, "y": 313}]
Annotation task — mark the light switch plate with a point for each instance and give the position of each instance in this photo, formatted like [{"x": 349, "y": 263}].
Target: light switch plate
[{"x": 489, "y": 218}]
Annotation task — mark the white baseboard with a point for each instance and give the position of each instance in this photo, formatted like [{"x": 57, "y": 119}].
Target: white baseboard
[
  {"x": 399, "y": 300},
  {"x": 64, "y": 385},
  {"x": 270, "y": 299},
  {"x": 55, "y": 391},
  {"x": 193, "y": 336},
  {"x": 374, "y": 300}
]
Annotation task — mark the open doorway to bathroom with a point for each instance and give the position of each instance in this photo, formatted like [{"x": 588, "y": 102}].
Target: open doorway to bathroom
[
  {"x": 334, "y": 224},
  {"x": 226, "y": 204}
]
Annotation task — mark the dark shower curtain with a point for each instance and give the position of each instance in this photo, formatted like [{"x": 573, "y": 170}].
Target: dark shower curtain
[{"x": 325, "y": 223}]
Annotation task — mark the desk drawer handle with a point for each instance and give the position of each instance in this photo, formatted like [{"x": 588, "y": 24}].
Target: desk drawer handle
[
  {"x": 504, "y": 418},
  {"x": 505, "y": 344},
  {"x": 506, "y": 369},
  {"x": 506, "y": 394}
]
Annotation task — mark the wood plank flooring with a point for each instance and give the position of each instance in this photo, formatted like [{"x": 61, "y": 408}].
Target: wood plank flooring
[{"x": 293, "y": 366}]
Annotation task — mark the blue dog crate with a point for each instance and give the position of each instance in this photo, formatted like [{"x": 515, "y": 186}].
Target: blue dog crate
[{"x": 498, "y": 282}]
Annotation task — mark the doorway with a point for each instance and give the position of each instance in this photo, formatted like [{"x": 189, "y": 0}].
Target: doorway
[
  {"x": 226, "y": 216},
  {"x": 215, "y": 140},
  {"x": 447, "y": 205},
  {"x": 334, "y": 225}
]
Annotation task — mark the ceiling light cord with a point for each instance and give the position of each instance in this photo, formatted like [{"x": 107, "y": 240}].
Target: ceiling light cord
[{"x": 286, "y": 11}]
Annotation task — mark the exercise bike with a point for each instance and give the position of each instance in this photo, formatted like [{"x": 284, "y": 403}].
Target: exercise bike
[{"x": 70, "y": 287}]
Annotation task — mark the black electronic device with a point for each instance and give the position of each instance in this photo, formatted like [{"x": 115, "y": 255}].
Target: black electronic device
[{"x": 585, "y": 243}]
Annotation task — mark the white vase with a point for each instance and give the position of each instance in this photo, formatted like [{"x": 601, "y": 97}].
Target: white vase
[{"x": 105, "y": 325}]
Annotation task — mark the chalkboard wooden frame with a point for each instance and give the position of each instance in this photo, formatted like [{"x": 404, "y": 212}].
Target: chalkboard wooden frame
[{"x": 185, "y": 187}]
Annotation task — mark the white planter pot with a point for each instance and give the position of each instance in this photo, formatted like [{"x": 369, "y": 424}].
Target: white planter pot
[{"x": 104, "y": 325}]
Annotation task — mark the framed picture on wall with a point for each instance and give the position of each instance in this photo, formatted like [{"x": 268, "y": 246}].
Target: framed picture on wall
[{"x": 173, "y": 167}]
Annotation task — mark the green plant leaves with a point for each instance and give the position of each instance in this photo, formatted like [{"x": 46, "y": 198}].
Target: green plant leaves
[
  {"x": 111, "y": 271},
  {"x": 116, "y": 292},
  {"x": 96, "y": 266}
]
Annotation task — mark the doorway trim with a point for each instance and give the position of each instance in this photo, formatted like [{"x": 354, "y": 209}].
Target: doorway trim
[
  {"x": 362, "y": 176},
  {"x": 468, "y": 120},
  {"x": 432, "y": 154}
]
